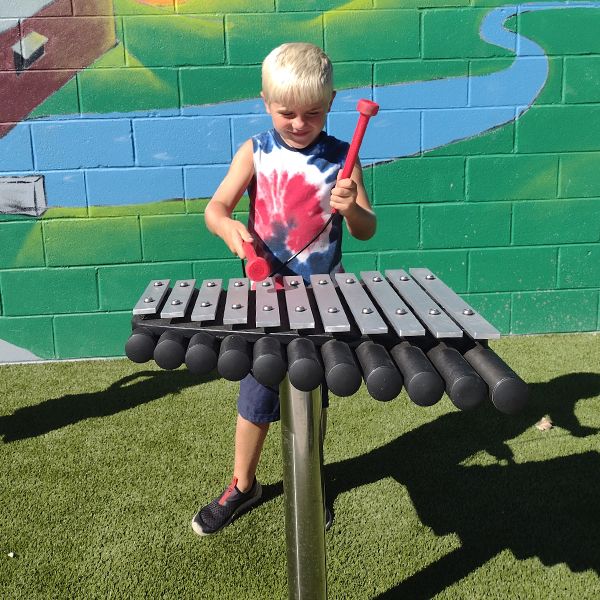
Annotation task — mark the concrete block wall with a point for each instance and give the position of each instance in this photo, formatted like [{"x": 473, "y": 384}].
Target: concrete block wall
[{"x": 496, "y": 191}]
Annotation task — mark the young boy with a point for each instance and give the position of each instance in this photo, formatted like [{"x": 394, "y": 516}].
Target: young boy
[{"x": 290, "y": 173}]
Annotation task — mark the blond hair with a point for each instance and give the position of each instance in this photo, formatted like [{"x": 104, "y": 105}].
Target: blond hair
[{"x": 297, "y": 74}]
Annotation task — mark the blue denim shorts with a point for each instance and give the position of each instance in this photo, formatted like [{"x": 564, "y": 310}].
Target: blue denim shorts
[{"x": 260, "y": 404}]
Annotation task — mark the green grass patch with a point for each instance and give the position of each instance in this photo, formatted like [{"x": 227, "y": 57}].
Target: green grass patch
[{"x": 103, "y": 464}]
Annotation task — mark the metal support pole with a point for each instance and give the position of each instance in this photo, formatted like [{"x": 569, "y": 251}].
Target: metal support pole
[{"x": 302, "y": 445}]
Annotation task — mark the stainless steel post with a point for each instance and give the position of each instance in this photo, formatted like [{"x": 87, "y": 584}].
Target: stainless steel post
[{"x": 301, "y": 430}]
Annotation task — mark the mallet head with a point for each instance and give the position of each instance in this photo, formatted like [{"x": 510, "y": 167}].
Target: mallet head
[
  {"x": 367, "y": 108},
  {"x": 257, "y": 269}
]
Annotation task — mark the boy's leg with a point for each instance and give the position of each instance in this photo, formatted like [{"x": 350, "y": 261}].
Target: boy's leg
[
  {"x": 249, "y": 440},
  {"x": 257, "y": 407},
  {"x": 244, "y": 490}
]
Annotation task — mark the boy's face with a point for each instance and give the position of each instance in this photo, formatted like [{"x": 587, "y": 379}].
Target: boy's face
[{"x": 298, "y": 125}]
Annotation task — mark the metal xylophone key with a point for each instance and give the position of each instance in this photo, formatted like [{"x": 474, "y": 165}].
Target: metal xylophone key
[
  {"x": 463, "y": 385},
  {"x": 387, "y": 331},
  {"x": 507, "y": 391}
]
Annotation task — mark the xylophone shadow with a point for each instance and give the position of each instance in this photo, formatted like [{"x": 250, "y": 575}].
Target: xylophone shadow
[
  {"x": 546, "y": 509},
  {"x": 124, "y": 394}
]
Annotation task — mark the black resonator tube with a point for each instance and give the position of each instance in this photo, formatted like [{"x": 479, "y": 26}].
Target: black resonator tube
[
  {"x": 170, "y": 350},
  {"x": 139, "y": 348},
  {"x": 383, "y": 380},
  {"x": 464, "y": 387},
  {"x": 423, "y": 383},
  {"x": 508, "y": 392},
  {"x": 234, "y": 358},
  {"x": 268, "y": 365},
  {"x": 202, "y": 353},
  {"x": 304, "y": 367},
  {"x": 341, "y": 371}
]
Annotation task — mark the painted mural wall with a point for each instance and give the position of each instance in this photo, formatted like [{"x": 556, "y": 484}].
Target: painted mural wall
[{"x": 118, "y": 118}]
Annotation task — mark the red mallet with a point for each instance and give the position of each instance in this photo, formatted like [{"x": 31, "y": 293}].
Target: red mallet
[
  {"x": 367, "y": 109},
  {"x": 257, "y": 268}
]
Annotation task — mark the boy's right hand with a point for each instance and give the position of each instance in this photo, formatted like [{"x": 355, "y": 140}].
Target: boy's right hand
[{"x": 234, "y": 233}]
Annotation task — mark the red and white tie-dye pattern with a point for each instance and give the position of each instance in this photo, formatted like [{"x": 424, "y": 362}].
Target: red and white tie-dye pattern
[{"x": 291, "y": 202}]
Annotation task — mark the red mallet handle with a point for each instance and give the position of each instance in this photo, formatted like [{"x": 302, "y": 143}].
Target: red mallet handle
[
  {"x": 367, "y": 109},
  {"x": 257, "y": 268}
]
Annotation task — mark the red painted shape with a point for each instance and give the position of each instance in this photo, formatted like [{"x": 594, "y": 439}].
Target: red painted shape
[{"x": 73, "y": 44}]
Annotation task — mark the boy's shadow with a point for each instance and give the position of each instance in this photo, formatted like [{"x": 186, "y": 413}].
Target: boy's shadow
[
  {"x": 548, "y": 509},
  {"x": 124, "y": 394}
]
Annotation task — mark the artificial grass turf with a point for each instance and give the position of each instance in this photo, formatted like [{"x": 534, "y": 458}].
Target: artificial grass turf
[{"x": 103, "y": 463}]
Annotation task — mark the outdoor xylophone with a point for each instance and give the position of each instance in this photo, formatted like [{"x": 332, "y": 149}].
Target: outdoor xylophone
[{"x": 390, "y": 330}]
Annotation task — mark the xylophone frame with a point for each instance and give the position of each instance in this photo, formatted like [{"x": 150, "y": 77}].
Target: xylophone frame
[{"x": 302, "y": 431}]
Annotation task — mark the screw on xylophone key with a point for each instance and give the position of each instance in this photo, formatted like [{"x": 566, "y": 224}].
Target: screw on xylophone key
[
  {"x": 268, "y": 364},
  {"x": 170, "y": 350},
  {"x": 422, "y": 382},
  {"x": 140, "y": 345},
  {"x": 507, "y": 391},
  {"x": 234, "y": 358},
  {"x": 304, "y": 367},
  {"x": 201, "y": 355},
  {"x": 463, "y": 385},
  {"x": 341, "y": 371},
  {"x": 383, "y": 380}
]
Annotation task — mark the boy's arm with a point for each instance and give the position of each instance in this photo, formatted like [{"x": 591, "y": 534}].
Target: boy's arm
[
  {"x": 217, "y": 215},
  {"x": 350, "y": 199}
]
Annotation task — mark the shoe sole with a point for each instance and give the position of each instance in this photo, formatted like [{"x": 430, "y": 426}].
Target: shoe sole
[{"x": 198, "y": 530}]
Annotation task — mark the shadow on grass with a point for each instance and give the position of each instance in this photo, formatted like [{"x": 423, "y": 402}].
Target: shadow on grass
[
  {"x": 128, "y": 392},
  {"x": 548, "y": 509}
]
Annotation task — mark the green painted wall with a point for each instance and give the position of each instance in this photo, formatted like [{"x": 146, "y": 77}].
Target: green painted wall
[{"x": 510, "y": 218}]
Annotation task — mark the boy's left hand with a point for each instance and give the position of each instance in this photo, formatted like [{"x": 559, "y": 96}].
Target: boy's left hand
[{"x": 343, "y": 196}]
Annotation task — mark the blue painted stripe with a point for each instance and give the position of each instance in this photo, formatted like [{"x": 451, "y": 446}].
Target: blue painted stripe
[
  {"x": 346, "y": 100},
  {"x": 133, "y": 186},
  {"x": 182, "y": 141},
  {"x": 201, "y": 182},
  {"x": 82, "y": 144},
  {"x": 64, "y": 188},
  {"x": 438, "y": 93},
  {"x": 391, "y": 133},
  {"x": 65, "y": 143},
  {"x": 514, "y": 86},
  {"x": 441, "y": 127},
  {"x": 250, "y": 106},
  {"x": 492, "y": 28},
  {"x": 244, "y": 128},
  {"x": 15, "y": 149}
]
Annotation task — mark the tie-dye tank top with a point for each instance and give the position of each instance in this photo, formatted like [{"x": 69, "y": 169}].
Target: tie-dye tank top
[{"x": 289, "y": 203}]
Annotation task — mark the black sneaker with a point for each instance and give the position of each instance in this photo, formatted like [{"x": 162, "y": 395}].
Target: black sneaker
[{"x": 221, "y": 511}]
